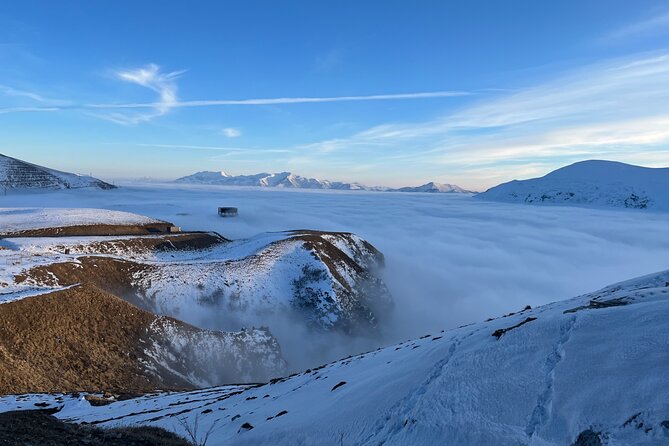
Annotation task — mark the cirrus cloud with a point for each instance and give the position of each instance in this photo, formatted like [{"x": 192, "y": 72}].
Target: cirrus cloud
[
  {"x": 616, "y": 109},
  {"x": 152, "y": 78}
]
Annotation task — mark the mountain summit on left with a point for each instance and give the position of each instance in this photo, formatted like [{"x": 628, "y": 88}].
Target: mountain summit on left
[{"x": 18, "y": 174}]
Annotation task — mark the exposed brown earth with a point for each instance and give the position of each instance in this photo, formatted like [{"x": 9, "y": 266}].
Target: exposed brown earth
[
  {"x": 85, "y": 339},
  {"x": 330, "y": 254},
  {"x": 91, "y": 230},
  {"x": 164, "y": 243},
  {"x": 76, "y": 339},
  {"x": 33, "y": 427},
  {"x": 111, "y": 275}
]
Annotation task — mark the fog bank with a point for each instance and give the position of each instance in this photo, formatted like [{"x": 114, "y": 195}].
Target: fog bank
[{"x": 451, "y": 259}]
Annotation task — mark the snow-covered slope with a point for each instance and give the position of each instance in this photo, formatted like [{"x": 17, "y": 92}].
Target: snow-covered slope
[
  {"x": 17, "y": 174},
  {"x": 591, "y": 370},
  {"x": 433, "y": 187},
  {"x": 292, "y": 181},
  {"x": 200, "y": 358},
  {"x": 593, "y": 183},
  {"x": 27, "y": 219},
  {"x": 327, "y": 280}
]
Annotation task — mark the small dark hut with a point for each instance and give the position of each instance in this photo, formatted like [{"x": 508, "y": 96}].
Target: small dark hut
[{"x": 227, "y": 212}]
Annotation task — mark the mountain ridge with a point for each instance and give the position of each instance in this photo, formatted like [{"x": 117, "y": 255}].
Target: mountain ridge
[{"x": 290, "y": 180}]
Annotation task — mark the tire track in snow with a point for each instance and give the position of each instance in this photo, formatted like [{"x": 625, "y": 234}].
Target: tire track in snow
[
  {"x": 399, "y": 415},
  {"x": 544, "y": 407}
]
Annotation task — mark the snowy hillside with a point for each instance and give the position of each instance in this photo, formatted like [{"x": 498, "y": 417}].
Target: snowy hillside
[
  {"x": 591, "y": 183},
  {"x": 553, "y": 375},
  {"x": 433, "y": 187},
  {"x": 27, "y": 219},
  {"x": 292, "y": 181},
  {"x": 17, "y": 174},
  {"x": 327, "y": 281}
]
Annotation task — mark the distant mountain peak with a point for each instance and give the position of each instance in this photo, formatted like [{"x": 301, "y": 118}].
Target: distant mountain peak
[{"x": 433, "y": 187}]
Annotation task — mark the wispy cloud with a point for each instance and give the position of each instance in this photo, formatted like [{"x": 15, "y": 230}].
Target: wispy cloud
[
  {"x": 28, "y": 101},
  {"x": 152, "y": 78},
  {"x": 217, "y": 148},
  {"x": 6, "y": 110},
  {"x": 657, "y": 23},
  {"x": 611, "y": 109},
  {"x": 164, "y": 84},
  {"x": 10, "y": 91},
  {"x": 329, "y": 61},
  {"x": 168, "y": 102},
  {"x": 231, "y": 132},
  {"x": 291, "y": 100}
]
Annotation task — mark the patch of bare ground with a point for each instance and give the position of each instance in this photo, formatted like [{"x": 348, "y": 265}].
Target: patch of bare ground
[
  {"x": 114, "y": 276},
  {"x": 84, "y": 338},
  {"x": 91, "y": 230},
  {"x": 344, "y": 235},
  {"x": 329, "y": 254},
  {"x": 40, "y": 427},
  {"x": 190, "y": 241},
  {"x": 78, "y": 339}
]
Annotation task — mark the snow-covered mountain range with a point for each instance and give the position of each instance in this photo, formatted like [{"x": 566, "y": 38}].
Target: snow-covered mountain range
[
  {"x": 17, "y": 174},
  {"x": 585, "y": 371},
  {"x": 591, "y": 183},
  {"x": 292, "y": 181},
  {"x": 282, "y": 179}
]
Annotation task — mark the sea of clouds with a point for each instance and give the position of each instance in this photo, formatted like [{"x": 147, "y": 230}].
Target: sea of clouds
[{"x": 450, "y": 259}]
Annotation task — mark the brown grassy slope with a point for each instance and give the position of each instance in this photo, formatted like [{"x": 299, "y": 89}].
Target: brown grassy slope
[
  {"x": 164, "y": 243},
  {"x": 76, "y": 339},
  {"x": 111, "y": 274},
  {"x": 37, "y": 427},
  {"x": 99, "y": 229},
  {"x": 114, "y": 276}
]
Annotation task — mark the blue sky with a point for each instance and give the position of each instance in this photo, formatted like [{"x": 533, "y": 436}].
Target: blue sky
[{"x": 381, "y": 92}]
